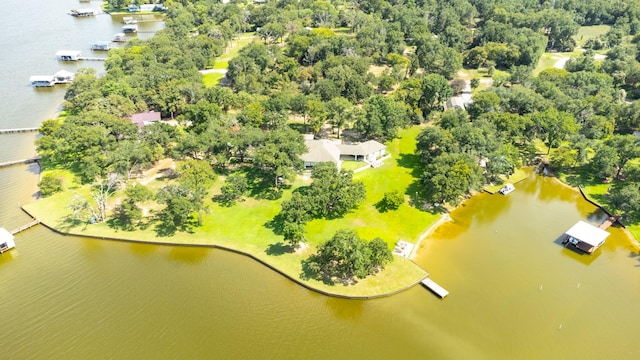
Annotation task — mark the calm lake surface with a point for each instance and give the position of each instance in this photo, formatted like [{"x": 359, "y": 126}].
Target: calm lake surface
[{"x": 515, "y": 293}]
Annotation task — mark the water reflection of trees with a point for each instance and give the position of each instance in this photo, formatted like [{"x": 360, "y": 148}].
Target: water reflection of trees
[
  {"x": 346, "y": 309},
  {"x": 186, "y": 254}
]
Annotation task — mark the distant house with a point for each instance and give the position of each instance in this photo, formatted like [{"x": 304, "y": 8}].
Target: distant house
[
  {"x": 133, "y": 8},
  {"x": 455, "y": 102},
  {"x": 6, "y": 240},
  {"x": 334, "y": 151},
  {"x": 145, "y": 118}
]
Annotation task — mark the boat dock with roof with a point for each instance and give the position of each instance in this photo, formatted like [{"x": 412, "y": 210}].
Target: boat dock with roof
[{"x": 586, "y": 237}]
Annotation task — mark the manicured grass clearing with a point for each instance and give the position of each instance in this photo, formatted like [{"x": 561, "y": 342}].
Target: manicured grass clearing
[
  {"x": 518, "y": 175},
  {"x": 222, "y": 62},
  {"x": 254, "y": 216},
  {"x": 352, "y": 165},
  {"x": 548, "y": 60},
  {"x": 212, "y": 79},
  {"x": 589, "y": 32}
]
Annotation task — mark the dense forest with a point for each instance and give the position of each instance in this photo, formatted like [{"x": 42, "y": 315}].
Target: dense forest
[{"x": 366, "y": 69}]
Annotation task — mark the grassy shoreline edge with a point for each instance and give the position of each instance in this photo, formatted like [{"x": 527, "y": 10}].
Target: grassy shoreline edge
[{"x": 298, "y": 281}]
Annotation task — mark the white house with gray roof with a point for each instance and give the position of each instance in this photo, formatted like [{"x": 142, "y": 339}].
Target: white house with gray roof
[{"x": 325, "y": 150}]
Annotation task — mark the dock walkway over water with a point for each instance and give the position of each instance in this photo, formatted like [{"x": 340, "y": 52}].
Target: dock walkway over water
[
  {"x": 25, "y": 227},
  {"x": 21, "y": 161},
  {"x": 435, "y": 288},
  {"x": 11, "y": 131},
  {"x": 610, "y": 221}
]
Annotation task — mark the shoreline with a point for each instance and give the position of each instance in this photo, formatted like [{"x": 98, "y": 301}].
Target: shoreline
[
  {"x": 255, "y": 257},
  {"x": 444, "y": 218}
]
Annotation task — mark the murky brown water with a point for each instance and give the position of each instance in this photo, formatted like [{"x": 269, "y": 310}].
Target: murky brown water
[{"x": 514, "y": 292}]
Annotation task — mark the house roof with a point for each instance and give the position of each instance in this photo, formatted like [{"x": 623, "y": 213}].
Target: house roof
[
  {"x": 321, "y": 151},
  {"x": 455, "y": 102},
  {"x": 5, "y": 235},
  {"x": 587, "y": 233},
  {"x": 145, "y": 118},
  {"x": 362, "y": 149}
]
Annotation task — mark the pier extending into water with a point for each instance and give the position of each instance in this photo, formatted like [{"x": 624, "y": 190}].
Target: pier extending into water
[
  {"x": 435, "y": 288},
  {"x": 25, "y": 227},
  {"x": 21, "y": 161},
  {"x": 10, "y": 131}
]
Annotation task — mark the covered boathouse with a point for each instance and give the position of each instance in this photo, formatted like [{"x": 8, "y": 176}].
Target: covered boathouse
[
  {"x": 6, "y": 240},
  {"x": 585, "y": 237},
  {"x": 68, "y": 55}
]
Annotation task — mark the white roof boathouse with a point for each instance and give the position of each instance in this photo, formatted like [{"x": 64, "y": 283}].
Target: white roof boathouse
[
  {"x": 63, "y": 77},
  {"x": 68, "y": 55},
  {"x": 42, "y": 80},
  {"x": 585, "y": 237},
  {"x": 6, "y": 240}
]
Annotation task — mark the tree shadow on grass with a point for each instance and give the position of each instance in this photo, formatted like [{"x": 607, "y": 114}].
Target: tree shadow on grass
[
  {"x": 166, "y": 229},
  {"x": 278, "y": 249},
  {"x": 310, "y": 271},
  {"x": 413, "y": 162},
  {"x": 69, "y": 223},
  {"x": 276, "y": 224}
]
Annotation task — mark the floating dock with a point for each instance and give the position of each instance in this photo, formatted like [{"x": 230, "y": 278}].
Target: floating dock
[{"x": 435, "y": 288}]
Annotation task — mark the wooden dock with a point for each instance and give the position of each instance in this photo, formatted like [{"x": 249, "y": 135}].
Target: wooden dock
[
  {"x": 91, "y": 58},
  {"x": 22, "y": 161},
  {"x": 610, "y": 221},
  {"x": 25, "y": 227},
  {"x": 10, "y": 131},
  {"x": 435, "y": 288}
]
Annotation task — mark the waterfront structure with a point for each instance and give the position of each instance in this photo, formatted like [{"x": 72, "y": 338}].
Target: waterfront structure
[
  {"x": 130, "y": 29},
  {"x": 585, "y": 237},
  {"x": 119, "y": 37},
  {"x": 129, "y": 20},
  {"x": 42, "y": 80},
  {"x": 506, "y": 189},
  {"x": 63, "y": 77},
  {"x": 100, "y": 46},
  {"x": 6, "y": 240},
  {"x": 68, "y": 55},
  {"x": 83, "y": 12}
]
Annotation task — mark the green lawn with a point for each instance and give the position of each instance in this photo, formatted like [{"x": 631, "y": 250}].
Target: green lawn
[
  {"x": 352, "y": 165},
  {"x": 222, "y": 62},
  {"x": 256, "y": 236},
  {"x": 589, "y": 32},
  {"x": 212, "y": 79},
  {"x": 518, "y": 175}
]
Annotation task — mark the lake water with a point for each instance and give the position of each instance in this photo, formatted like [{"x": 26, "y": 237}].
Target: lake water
[{"x": 515, "y": 292}]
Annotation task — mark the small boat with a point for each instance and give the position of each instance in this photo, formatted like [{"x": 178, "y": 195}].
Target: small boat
[
  {"x": 128, "y": 20},
  {"x": 506, "y": 189},
  {"x": 83, "y": 12},
  {"x": 119, "y": 37},
  {"x": 130, "y": 29}
]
